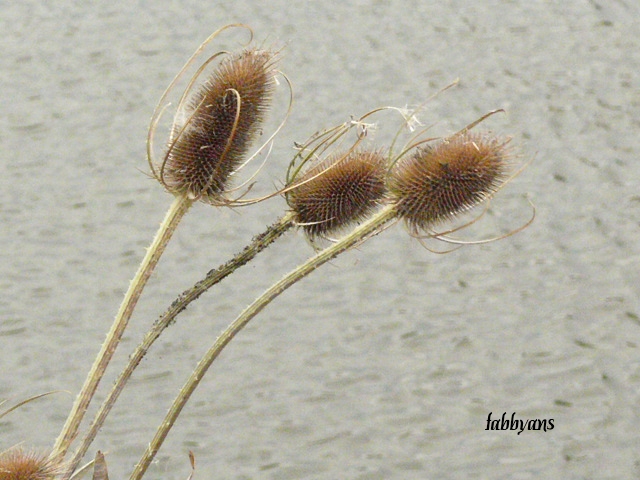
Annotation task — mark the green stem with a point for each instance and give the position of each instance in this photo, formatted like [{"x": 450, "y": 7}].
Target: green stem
[
  {"x": 258, "y": 244},
  {"x": 364, "y": 231},
  {"x": 177, "y": 210}
]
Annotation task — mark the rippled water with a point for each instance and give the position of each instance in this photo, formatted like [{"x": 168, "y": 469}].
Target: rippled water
[{"x": 386, "y": 363}]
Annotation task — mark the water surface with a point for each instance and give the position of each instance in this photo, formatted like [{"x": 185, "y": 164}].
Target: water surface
[{"x": 386, "y": 363}]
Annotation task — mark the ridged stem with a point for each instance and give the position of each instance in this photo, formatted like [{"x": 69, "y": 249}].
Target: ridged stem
[
  {"x": 258, "y": 244},
  {"x": 361, "y": 233},
  {"x": 175, "y": 213}
]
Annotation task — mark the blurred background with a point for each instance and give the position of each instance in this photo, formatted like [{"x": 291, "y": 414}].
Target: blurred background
[{"x": 385, "y": 363}]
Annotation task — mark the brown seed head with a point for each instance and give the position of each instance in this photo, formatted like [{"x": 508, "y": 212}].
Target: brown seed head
[
  {"x": 17, "y": 464},
  {"x": 217, "y": 125},
  {"x": 438, "y": 182},
  {"x": 338, "y": 191}
]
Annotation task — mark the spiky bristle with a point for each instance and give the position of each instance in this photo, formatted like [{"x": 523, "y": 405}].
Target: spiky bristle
[
  {"x": 218, "y": 124},
  {"x": 338, "y": 191},
  {"x": 440, "y": 181},
  {"x": 16, "y": 464}
]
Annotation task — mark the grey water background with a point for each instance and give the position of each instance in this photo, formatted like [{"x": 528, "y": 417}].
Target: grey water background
[{"x": 386, "y": 363}]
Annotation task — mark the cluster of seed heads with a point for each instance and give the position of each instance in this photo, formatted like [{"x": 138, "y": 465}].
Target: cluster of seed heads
[
  {"x": 428, "y": 186},
  {"x": 216, "y": 124}
]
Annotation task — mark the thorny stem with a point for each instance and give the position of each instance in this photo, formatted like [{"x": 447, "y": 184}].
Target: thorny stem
[
  {"x": 360, "y": 234},
  {"x": 258, "y": 244},
  {"x": 69, "y": 432}
]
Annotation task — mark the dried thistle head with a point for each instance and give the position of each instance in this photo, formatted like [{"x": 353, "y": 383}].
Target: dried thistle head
[
  {"x": 439, "y": 181},
  {"x": 215, "y": 126},
  {"x": 16, "y": 464},
  {"x": 338, "y": 191}
]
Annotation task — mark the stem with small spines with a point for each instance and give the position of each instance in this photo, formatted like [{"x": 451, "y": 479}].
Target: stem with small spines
[
  {"x": 259, "y": 243},
  {"x": 179, "y": 207},
  {"x": 357, "y": 236}
]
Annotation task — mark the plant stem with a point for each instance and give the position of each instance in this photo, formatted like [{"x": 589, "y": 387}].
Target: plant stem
[
  {"x": 360, "y": 234},
  {"x": 175, "y": 213},
  {"x": 259, "y": 243}
]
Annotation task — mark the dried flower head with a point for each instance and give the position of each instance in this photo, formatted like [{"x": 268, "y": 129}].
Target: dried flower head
[
  {"x": 16, "y": 464},
  {"x": 338, "y": 191},
  {"x": 440, "y": 181},
  {"x": 216, "y": 125}
]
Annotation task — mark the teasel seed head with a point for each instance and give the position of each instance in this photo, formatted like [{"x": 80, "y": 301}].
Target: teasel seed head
[
  {"x": 17, "y": 464},
  {"x": 339, "y": 191},
  {"x": 215, "y": 126},
  {"x": 439, "y": 181}
]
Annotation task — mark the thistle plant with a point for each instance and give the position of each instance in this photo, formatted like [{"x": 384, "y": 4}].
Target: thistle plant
[
  {"x": 210, "y": 137},
  {"x": 356, "y": 176},
  {"x": 422, "y": 185},
  {"x": 339, "y": 188}
]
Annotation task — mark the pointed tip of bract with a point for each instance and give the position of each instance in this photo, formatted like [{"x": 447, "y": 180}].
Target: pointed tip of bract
[
  {"x": 439, "y": 181},
  {"x": 338, "y": 191},
  {"x": 217, "y": 124},
  {"x": 17, "y": 464}
]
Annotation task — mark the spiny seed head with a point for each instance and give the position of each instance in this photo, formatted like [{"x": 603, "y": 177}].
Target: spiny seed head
[
  {"x": 440, "y": 181},
  {"x": 17, "y": 464},
  {"x": 217, "y": 125},
  {"x": 338, "y": 191}
]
